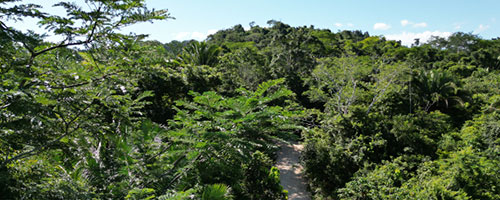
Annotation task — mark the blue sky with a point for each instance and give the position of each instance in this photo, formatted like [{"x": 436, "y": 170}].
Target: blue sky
[{"x": 396, "y": 19}]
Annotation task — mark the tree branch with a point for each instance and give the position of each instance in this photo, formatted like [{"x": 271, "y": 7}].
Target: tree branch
[
  {"x": 63, "y": 45},
  {"x": 375, "y": 99},
  {"x": 38, "y": 149},
  {"x": 161, "y": 152},
  {"x": 5, "y": 106},
  {"x": 186, "y": 171},
  {"x": 85, "y": 82}
]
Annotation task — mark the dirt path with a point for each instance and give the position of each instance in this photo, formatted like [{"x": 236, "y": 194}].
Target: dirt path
[{"x": 291, "y": 171}]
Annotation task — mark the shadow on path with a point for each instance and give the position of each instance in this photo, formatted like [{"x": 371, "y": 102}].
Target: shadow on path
[{"x": 291, "y": 171}]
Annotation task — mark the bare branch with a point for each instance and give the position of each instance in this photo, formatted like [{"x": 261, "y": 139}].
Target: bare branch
[
  {"x": 5, "y": 106},
  {"x": 377, "y": 96}
]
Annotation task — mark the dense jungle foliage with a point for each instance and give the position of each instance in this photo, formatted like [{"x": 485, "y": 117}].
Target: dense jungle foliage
[{"x": 105, "y": 115}]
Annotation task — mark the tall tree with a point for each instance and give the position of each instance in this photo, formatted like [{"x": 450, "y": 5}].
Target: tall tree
[{"x": 60, "y": 105}]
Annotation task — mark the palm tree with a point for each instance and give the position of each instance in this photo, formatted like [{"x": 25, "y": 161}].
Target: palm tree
[
  {"x": 216, "y": 192},
  {"x": 436, "y": 88},
  {"x": 200, "y": 53}
]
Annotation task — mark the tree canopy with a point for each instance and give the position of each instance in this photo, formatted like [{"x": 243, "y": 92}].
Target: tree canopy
[{"x": 106, "y": 115}]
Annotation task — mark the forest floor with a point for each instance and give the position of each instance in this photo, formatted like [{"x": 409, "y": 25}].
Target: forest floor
[{"x": 291, "y": 176}]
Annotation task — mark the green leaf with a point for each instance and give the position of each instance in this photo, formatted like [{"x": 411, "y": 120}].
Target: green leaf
[{"x": 45, "y": 101}]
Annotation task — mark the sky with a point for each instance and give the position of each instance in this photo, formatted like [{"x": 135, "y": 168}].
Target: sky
[{"x": 395, "y": 19}]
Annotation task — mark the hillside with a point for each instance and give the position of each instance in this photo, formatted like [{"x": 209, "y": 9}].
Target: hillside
[{"x": 107, "y": 115}]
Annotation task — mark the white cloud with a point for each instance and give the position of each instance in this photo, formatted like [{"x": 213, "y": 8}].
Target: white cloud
[
  {"x": 420, "y": 25},
  {"x": 404, "y": 22},
  {"x": 198, "y": 35},
  {"x": 381, "y": 26},
  {"x": 458, "y": 25},
  {"x": 340, "y": 25},
  {"x": 181, "y": 36},
  {"x": 211, "y": 31},
  {"x": 481, "y": 28},
  {"x": 407, "y": 38}
]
